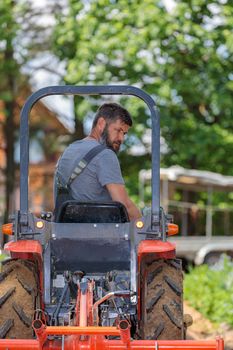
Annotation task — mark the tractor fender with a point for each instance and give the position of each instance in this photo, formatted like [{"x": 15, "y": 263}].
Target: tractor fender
[
  {"x": 24, "y": 249},
  {"x": 159, "y": 249}
]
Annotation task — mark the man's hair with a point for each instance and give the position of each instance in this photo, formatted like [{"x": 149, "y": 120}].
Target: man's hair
[{"x": 112, "y": 112}]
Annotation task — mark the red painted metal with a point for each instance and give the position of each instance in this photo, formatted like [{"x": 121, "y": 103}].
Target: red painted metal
[
  {"x": 58, "y": 330},
  {"x": 83, "y": 310},
  {"x": 96, "y": 342},
  {"x": 19, "y": 344},
  {"x": 124, "y": 327},
  {"x": 77, "y": 308},
  {"x": 84, "y": 306},
  {"x": 90, "y": 318},
  {"x": 40, "y": 331},
  {"x": 21, "y": 247},
  {"x": 158, "y": 247}
]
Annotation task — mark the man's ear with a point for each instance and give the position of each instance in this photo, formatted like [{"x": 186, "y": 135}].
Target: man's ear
[{"x": 101, "y": 124}]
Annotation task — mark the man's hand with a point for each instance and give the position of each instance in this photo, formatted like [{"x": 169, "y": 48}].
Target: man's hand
[{"x": 118, "y": 193}]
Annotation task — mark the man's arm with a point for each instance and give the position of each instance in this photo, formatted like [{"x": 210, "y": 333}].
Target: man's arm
[{"x": 118, "y": 193}]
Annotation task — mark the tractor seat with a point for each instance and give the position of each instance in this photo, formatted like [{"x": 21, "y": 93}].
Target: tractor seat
[{"x": 73, "y": 211}]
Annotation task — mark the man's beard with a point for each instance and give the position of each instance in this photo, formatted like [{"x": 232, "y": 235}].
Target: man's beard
[{"x": 105, "y": 139}]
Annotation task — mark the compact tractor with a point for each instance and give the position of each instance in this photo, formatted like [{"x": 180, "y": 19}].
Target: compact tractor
[{"x": 87, "y": 278}]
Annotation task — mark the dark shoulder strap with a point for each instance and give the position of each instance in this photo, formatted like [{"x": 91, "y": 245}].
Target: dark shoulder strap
[
  {"x": 63, "y": 187},
  {"x": 81, "y": 165}
]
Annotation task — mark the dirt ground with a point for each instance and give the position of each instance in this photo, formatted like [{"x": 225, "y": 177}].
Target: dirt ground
[{"x": 204, "y": 329}]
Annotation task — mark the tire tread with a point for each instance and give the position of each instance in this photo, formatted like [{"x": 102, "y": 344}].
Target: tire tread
[
  {"x": 162, "y": 300},
  {"x": 18, "y": 293}
]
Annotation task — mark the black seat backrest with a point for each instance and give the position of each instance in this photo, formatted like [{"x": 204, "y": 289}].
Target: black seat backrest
[{"x": 73, "y": 211}]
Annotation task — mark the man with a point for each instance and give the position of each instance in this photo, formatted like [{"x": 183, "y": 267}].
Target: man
[{"x": 101, "y": 180}]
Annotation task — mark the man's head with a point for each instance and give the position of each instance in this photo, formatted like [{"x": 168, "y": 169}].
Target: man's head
[{"x": 112, "y": 122}]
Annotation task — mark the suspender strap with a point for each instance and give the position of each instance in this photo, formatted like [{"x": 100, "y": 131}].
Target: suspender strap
[
  {"x": 63, "y": 187},
  {"x": 78, "y": 168}
]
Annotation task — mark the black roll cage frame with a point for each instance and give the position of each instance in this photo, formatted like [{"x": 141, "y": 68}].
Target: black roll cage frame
[{"x": 83, "y": 91}]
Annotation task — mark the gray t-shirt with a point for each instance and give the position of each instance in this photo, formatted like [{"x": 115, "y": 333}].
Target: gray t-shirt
[{"x": 103, "y": 169}]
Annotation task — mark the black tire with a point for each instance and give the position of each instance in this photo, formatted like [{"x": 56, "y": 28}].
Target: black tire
[
  {"x": 162, "y": 300},
  {"x": 18, "y": 295}
]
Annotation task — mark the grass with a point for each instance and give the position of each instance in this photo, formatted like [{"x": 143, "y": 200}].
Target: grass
[{"x": 210, "y": 291}]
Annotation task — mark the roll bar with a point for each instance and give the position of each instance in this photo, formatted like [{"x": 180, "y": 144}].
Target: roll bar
[{"x": 83, "y": 91}]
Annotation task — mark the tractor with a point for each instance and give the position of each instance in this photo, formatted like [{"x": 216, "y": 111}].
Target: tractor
[{"x": 87, "y": 278}]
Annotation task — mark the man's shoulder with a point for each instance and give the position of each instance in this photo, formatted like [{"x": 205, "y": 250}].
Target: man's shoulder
[
  {"x": 107, "y": 156},
  {"x": 83, "y": 145},
  {"x": 84, "y": 142},
  {"x": 80, "y": 148}
]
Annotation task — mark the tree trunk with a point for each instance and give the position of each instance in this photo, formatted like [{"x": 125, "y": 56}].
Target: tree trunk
[{"x": 10, "y": 127}]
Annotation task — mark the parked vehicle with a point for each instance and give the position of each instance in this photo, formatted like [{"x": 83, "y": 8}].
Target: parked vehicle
[{"x": 206, "y": 230}]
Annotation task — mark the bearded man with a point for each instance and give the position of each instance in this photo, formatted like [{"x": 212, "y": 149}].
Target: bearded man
[{"x": 99, "y": 178}]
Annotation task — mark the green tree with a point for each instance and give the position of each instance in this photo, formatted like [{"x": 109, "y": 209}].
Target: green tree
[
  {"x": 9, "y": 76},
  {"x": 23, "y": 38},
  {"x": 182, "y": 58}
]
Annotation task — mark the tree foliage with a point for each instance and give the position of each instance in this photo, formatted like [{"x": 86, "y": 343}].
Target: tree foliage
[
  {"x": 213, "y": 297},
  {"x": 23, "y": 36},
  {"x": 183, "y": 58}
]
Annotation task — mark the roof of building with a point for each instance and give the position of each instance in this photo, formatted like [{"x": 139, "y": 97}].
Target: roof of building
[{"x": 192, "y": 178}]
